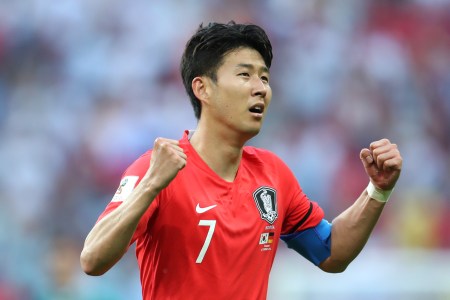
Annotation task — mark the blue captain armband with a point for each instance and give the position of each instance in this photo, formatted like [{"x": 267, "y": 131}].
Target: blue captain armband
[{"x": 314, "y": 243}]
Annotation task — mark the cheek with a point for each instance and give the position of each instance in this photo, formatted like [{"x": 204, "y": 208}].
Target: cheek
[
  {"x": 223, "y": 108},
  {"x": 228, "y": 111},
  {"x": 269, "y": 96},
  {"x": 232, "y": 101}
]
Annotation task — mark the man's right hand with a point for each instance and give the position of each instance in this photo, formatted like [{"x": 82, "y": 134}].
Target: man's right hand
[
  {"x": 167, "y": 159},
  {"x": 109, "y": 239}
]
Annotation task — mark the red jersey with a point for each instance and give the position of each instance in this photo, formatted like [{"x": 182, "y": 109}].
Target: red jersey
[{"x": 206, "y": 238}]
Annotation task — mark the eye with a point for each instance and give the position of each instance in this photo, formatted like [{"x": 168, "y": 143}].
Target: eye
[
  {"x": 265, "y": 79},
  {"x": 245, "y": 74}
]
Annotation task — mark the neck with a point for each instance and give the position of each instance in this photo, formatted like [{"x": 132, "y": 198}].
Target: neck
[{"x": 221, "y": 152}]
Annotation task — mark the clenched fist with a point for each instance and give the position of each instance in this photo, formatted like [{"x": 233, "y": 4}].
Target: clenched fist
[
  {"x": 383, "y": 163},
  {"x": 167, "y": 159}
]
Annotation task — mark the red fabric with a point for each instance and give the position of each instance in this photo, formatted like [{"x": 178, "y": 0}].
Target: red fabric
[{"x": 237, "y": 263}]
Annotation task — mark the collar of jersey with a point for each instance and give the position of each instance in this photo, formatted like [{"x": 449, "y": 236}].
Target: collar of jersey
[{"x": 194, "y": 157}]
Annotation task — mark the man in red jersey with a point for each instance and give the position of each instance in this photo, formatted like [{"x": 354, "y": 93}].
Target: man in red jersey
[{"x": 207, "y": 212}]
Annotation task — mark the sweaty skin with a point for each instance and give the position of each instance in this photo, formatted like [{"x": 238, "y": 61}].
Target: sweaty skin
[
  {"x": 233, "y": 110},
  {"x": 351, "y": 229},
  {"x": 109, "y": 238}
]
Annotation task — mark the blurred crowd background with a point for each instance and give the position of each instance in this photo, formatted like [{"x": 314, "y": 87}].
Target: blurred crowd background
[{"x": 86, "y": 87}]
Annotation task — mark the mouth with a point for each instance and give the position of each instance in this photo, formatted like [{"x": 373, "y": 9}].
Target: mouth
[{"x": 257, "y": 109}]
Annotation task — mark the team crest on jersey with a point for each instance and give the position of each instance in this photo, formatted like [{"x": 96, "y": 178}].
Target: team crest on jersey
[{"x": 266, "y": 202}]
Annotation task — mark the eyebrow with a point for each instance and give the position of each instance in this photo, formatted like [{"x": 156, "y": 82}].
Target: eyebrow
[{"x": 250, "y": 66}]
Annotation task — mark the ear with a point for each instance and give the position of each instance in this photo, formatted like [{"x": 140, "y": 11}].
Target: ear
[{"x": 200, "y": 88}]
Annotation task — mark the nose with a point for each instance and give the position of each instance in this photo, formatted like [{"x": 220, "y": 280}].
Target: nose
[{"x": 259, "y": 87}]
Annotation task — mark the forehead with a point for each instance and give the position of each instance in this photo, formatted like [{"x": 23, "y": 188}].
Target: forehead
[{"x": 243, "y": 56}]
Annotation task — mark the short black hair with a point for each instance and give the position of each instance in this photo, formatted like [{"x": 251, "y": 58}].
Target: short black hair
[{"x": 205, "y": 50}]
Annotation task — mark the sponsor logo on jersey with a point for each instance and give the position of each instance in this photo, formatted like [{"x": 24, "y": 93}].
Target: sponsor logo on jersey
[
  {"x": 201, "y": 210},
  {"x": 126, "y": 186},
  {"x": 266, "y": 202}
]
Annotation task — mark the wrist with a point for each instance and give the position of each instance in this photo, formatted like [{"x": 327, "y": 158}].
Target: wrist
[
  {"x": 378, "y": 194},
  {"x": 150, "y": 186}
]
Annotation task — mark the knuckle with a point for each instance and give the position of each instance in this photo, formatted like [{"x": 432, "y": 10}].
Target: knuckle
[
  {"x": 181, "y": 164},
  {"x": 393, "y": 147},
  {"x": 158, "y": 141},
  {"x": 376, "y": 152}
]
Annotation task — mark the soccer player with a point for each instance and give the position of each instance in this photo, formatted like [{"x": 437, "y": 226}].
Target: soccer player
[{"x": 206, "y": 211}]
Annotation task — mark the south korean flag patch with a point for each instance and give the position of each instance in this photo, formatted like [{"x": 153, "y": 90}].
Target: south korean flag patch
[
  {"x": 125, "y": 188},
  {"x": 266, "y": 202}
]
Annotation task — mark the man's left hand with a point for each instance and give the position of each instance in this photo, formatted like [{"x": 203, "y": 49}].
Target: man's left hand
[{"x": 383, "y": 163}]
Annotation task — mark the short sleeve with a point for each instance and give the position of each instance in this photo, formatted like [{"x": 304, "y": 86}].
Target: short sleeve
[
  {"x": 129, "y": 181},
  {"x": 302, "y": 214}
]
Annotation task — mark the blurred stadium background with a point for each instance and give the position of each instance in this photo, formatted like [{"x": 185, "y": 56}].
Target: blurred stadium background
[{"x": 86, "y": 86}]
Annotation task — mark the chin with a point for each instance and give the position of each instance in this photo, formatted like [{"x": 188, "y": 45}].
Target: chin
[{"x": 251, "y": 132}]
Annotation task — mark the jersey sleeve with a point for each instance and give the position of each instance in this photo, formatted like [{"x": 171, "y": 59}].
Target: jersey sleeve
[
  {"x": 302, "y": 214},
  {"x": 129, "y": 181}
]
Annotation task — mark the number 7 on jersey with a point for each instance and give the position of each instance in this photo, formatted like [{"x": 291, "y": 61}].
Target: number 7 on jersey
[{"x": 212, "y": 226}]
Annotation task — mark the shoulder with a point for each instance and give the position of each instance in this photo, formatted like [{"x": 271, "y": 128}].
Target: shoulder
[
  {"x": 263, "y": 156},
  {"x": 254, "y": 152},
  {"x": 140, "y": 165},
  {"x": 266, "y": 161}
]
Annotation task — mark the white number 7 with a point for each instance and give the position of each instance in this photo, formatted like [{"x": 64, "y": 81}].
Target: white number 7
[{"x": 212, "y": 226}]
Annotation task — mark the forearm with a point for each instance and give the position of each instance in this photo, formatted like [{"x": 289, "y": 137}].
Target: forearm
[
  {"x": 350, "y": 232},
  {"x": 110, "y": 237}
]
